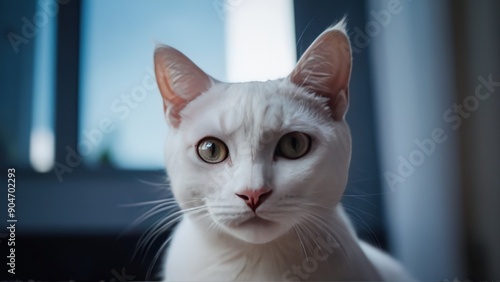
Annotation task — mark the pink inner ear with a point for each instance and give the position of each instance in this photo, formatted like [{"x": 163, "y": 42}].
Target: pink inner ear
[
  {"x": 179, "y": 80},
  {"x": 325, "y": 69}
]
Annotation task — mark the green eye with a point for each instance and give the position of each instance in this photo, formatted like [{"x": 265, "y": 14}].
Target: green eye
[
  {"x": 293, "y": 145},
  {"x": 212, "y": 150}
]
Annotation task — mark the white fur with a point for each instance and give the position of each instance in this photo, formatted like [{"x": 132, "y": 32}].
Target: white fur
[
  {"x": 300, "y": 232},
  {"x": 209, "y": 245}
]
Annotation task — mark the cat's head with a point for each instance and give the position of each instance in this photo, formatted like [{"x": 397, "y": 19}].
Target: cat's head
[{"x": 255, "y": 159}]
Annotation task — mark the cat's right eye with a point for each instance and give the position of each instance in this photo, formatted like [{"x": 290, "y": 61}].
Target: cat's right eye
[
  {"x": 293, "y": 145},
  {"x": 212, "y": 150}
]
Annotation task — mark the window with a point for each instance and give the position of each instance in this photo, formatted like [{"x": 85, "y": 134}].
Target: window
[{"x": 121, "y": 121}]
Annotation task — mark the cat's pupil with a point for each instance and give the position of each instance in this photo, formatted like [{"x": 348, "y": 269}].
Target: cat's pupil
[
  {"x": 212, "y": 150},
  {"x": 295, "y": 144}
]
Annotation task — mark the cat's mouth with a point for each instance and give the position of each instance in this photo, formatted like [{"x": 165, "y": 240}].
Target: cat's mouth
[
  {"x": 256, "y": 229},
  {"x": 256, "y": 221}
]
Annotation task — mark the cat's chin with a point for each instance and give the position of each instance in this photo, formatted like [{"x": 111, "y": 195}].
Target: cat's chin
[
  {"x": 257, "y": 222},
  {"x": 256, "y": 230}
]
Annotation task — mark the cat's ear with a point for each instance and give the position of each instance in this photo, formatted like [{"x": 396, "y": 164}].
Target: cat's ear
[
  {"x": 179, "y": 80},
  {"x": 325, "y": 68}
]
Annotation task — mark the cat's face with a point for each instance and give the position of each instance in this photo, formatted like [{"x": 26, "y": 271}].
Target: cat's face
[{"x": 255, "y": 159}]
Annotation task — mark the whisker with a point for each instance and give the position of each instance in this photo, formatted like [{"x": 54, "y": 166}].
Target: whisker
[
  {"x": 323, "y": 225},
  {"x": 364, "y": 224},
  {"x": 154, "y": 211},
  {"x": 146, "y": 203},
  {"x": 308, "y": 235},
  {"x": 301, "y": 243},
  {"x": 152, "y": 233},
  {"x": 146, "y": 239},
  {"x": 160, "y": 208},
  {"x": 352, "y": 208},
  {"x": 157, "y": 255},
  {"x": 156, "y": 184}
]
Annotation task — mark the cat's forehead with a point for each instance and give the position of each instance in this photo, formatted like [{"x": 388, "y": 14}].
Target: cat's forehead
[{"x": 253, "y": 109}]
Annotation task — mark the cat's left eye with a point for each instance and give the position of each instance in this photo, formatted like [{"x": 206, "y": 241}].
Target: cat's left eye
[
  {"x": 293, "y": 145},
  {"x": 212, "y": 150}
]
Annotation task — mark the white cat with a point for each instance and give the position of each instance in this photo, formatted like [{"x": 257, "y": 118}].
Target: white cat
[{"x": 259, "y": 168}]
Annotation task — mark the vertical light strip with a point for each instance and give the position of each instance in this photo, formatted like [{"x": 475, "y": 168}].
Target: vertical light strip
[
  {"x": 42, "y": 131},
  {"x": 413, "y": 84},
  {"x": 260, "y": 39}
]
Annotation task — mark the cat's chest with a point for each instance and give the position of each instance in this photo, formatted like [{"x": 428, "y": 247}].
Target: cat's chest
[{"x": 193, "y": 258}]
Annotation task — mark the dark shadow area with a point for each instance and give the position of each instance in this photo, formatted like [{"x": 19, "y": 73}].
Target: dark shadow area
[{"x": 83, "y": 258}]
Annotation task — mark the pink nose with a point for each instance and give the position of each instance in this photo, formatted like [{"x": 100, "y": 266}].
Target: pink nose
[{"x": 254, "y": 198}]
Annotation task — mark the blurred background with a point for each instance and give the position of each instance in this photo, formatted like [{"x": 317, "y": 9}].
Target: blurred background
[{"x": 82, "y": 123}]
